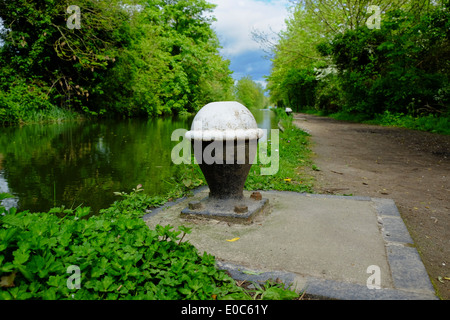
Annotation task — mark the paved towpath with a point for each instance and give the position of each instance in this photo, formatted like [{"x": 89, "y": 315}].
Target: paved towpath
[{"x": 410, "y": 167}]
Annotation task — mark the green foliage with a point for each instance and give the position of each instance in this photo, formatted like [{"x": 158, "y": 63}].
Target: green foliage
[
  {"x": 172, "y": 64},
  {"x": 250, "y": 93},
  {"x": 430, "y": 123},
  {"x": 39, "y": 45},
  {"x": 294, "y": 159},
  {"x": 300, "y": 87},
  {"x": 118, "y": 256},
  {"x": 295, "y": 55},
  {"x": 329, "y": 94},
  {"x": 271, "y": 290},
  {"x": 129, "y": 58},
  {"x": 396, "y": 68},
  {"x": 28, "y": 102},
  {"x": 401, "y": 68},
  {"x": 22, "y": 99}
]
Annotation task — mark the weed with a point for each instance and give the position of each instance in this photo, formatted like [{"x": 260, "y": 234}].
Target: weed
[
  {"x": 271, "y": 290},
  {"x": 118, "y": 255},
  {"x": 429, "y": 123}
]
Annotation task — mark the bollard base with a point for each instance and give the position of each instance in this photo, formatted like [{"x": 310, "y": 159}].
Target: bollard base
[{"x": 242, "y": 211}]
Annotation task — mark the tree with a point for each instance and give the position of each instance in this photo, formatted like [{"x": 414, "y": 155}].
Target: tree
[
  {"x": 193, "y": 47},
  {"x": 295, "y": 50},
  {"x": 338, "y": 16},
  {"x": 312, "y": 29},
  {"x": 399, "y": 68},
  {"x": 250, "y": 93},
  {"x": 128, "y": 57},
  {"x": 40, "y": 50}
]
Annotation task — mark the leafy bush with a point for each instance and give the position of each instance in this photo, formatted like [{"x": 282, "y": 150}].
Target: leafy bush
[
  {"x": 399, "y": 68},
  {"x": 300, "y": 86},
  {"x": 428, "y": 123},
  {"x": 21, "y": 101},
  {"x": 118, "y": 257},
  {"x": 329, "y": 94}
]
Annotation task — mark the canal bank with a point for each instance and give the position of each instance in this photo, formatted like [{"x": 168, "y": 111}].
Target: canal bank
[{"x": 82, "y": 163}]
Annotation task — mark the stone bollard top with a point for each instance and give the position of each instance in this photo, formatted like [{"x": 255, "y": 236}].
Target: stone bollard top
[{"x": 226, "y": 120}]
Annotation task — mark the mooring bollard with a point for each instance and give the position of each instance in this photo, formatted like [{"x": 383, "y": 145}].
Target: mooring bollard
[{"x": 224, "y": 136}]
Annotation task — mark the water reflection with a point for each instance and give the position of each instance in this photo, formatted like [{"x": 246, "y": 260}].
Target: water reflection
[
  {"x": 265, "y": 120},
  {"x": 83, "y": 163},
  {"x": 10, "y": 202}
]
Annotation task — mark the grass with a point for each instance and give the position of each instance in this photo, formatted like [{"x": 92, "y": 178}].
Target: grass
[
  {"x": 428, "y": 123},
  {"x": 52, "y": 115},
  {"x": 294, "y": 160}
]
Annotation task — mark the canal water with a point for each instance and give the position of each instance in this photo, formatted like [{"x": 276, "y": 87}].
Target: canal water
[{"x": 84, "y": 163}]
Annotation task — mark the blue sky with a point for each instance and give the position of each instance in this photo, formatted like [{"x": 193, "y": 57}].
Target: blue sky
[{"x": 235, "y": 21}]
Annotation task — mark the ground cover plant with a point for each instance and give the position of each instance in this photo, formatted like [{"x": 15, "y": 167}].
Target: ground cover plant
[
  {"x": 117, "y": 255},
  {"x": 429, "y": 123}
]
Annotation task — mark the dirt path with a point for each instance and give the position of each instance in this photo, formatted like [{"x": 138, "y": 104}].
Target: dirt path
[{"x": 410, "y": 167}]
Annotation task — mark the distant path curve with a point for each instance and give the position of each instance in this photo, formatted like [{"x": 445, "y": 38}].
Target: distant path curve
[{"x": 410, "y": 167}]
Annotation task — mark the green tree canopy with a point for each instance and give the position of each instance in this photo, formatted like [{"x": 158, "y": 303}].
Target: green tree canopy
[
  {"x": 328, "y": 57},
  {"x": 129, "y": 57},
  {"x": 250, "y": 93}
]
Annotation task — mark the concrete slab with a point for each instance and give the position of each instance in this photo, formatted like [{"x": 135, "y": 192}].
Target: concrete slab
[{"x": 330, "y": 246}]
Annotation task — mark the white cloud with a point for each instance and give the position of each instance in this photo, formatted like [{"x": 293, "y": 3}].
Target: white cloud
[{"x": 237, "y": 18}]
